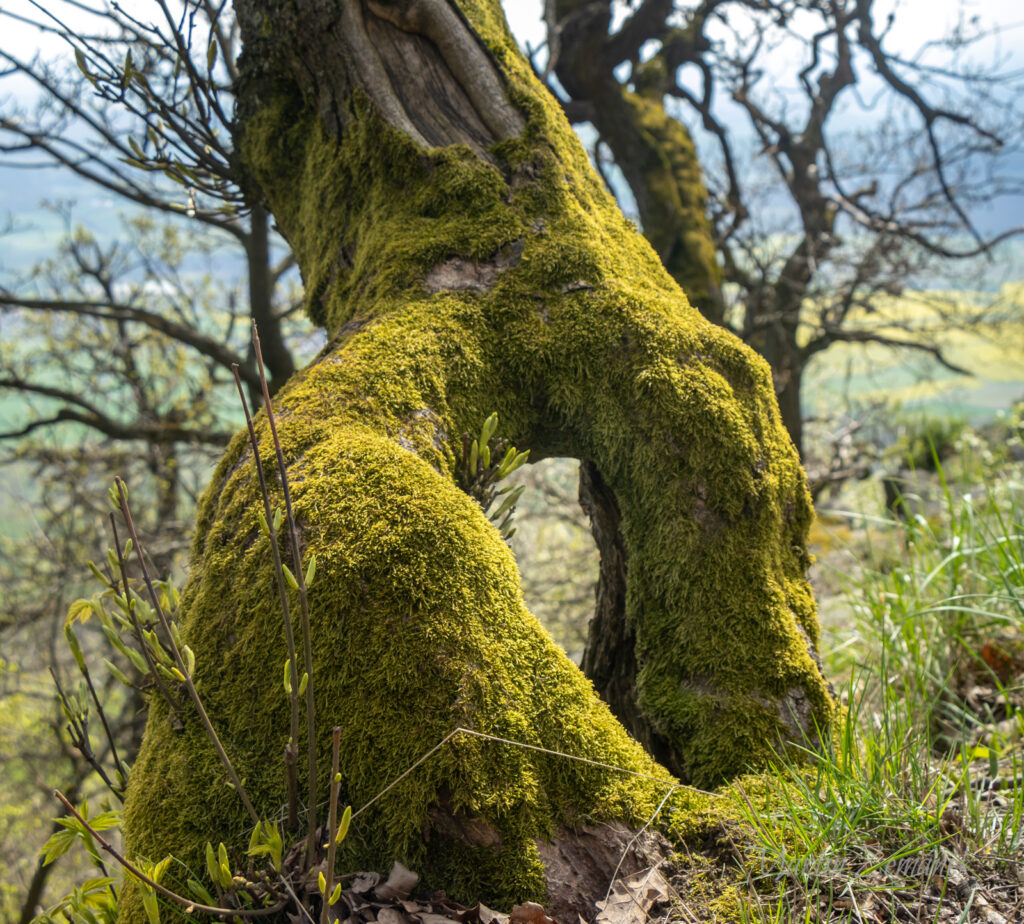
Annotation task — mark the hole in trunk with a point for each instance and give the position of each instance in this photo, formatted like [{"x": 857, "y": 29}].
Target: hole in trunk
[
  {"x": 557, "y": 557},
  {"x": 573, "y": 562}
]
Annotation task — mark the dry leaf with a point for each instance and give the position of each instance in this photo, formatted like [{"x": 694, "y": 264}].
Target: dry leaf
[
  {"x": 391, "y": 916},
  {"x": 400, "y": 883},
  {"x": 630, "y": 900},
  {"x": 530, "y": 913},
  {"x": 364, "y": 882},
  {"x": 487, "y": 916}
]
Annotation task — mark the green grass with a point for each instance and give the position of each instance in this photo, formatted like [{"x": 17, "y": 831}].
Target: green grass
[{"x": 920, "y": 788}]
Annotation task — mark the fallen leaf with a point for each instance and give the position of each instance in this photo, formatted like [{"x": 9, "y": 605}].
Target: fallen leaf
[
  {"x": 400, "y": 883},
  {"x": 391, "y": 916},
  {"x": 364, "y": 882},
  {"x": 530, "y": 913},
  {"x": 487, "y": 916},
  {"x": 631, "y": 899}
]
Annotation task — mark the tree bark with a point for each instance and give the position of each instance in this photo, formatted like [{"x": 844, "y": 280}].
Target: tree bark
[
  {"x": 465, "y": 260},
  {"x": 654, "y": 151},
  {"x": 278, "y": 358}
]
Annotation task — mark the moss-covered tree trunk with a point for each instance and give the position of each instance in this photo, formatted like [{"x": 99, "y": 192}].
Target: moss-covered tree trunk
[{"x": 464, "y": 259}]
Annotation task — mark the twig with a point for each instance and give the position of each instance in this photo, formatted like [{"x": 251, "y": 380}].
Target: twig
[
  {"x": 134, "y": 871},
  {"x": 633, "y": 840},
  {"x": 186, "y": 678},
  {"x": 291, "y": 748},
  {"x": 332, "y": 824},
  {"x": 79, "y": 733},
  {"x": 165, "y": 691},
  {"x": 307, "y": 643},
  {"x": 675, "y": 784}
]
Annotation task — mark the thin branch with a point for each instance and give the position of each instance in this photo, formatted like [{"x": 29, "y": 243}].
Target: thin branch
[
  {"x": 113, "y": 311},
  {"x": 307, "y": 643},
  {"x": 182, "y": 667},
  {"x": 137, "y": 873}
]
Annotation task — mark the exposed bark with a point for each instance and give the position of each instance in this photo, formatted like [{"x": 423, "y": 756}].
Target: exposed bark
[
  {"x": 609, "y": 658},
  {"x": 276, "y": 354}
]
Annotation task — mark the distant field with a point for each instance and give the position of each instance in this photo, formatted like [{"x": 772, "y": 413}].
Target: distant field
[{"x": 993, "y": 348}]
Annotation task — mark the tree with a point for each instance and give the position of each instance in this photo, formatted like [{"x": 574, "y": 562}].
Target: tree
[
  {"x": 864, "y": 210},
  {"x": 465, "y": 260}
]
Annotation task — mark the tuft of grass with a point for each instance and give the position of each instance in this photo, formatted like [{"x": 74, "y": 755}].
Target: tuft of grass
[{"x": 914, "y": 805}]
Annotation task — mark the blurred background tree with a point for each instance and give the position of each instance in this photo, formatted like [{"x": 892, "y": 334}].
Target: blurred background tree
[{"x": 832, "y": 169}]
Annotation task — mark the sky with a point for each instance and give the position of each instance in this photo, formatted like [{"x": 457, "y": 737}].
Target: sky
[{"x": 915, "y": 22}]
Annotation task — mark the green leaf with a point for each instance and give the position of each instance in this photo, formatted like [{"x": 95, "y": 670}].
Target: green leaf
[
  {"x": 211, "y": 55},
  {"x": 263, "y": 522},
  {"x": 335, "y": 895},
  {"x": 80, "y": 610},
  {"x": 518, "y": 462},
  {"x": 346, "y": 820},
  {"x": 76, "y": 649},
  {"x": 57, "y": 844},
  {"x": 321, "y": 881},
  {"x": 138, "y": 662},
  {"x": 288, "y": 676},
  {"x": 156, "y": 874},
  {"x": 474, "y": 453},
  {"x": 506, "y": 462},
  {"x": 115, "y": 639},
  {"x": 150, "y": 903},
  {"x": 310, "y": 570},
  {"x": 278, "y": 517},
  {"x": 223, "y": 865},
  {"x": 508, "y": 503},
  {"x": 487, "y": 431},
  {"x": 212, "y": 869},
  {"x": 117, "y": 673},
  {"x": 303, "y": 683},
  {"x": 290, "y": 578},
  {"x": 199, "y": 891},
  {"x": 190, "y": 660}
]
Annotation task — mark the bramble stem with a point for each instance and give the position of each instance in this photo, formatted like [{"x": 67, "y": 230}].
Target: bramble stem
[
  {"x": 165, "y": 691},
  {"x": 291, "y": 748},
  {"x": 79, "y": 733},
  {"x": 189, "y": 684},
  {"x": 307, "y": 643},
  {"x": 332, "y": 824}
]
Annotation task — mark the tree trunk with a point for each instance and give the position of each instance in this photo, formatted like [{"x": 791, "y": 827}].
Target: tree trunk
[
  {"x": 276, "y": 355},
  {"x": 464, "y": 260},
  {"x": 654, "y": 151},
  {"x": 772, "y": 331}
]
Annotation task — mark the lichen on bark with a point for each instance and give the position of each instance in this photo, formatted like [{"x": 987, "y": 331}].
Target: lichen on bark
[{"x": 575, "y": 334}]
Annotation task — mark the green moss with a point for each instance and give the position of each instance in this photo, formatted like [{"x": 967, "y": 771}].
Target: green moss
[
  {"x": 584, "y": 346},
  {"x": 676, "y": 223}
]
